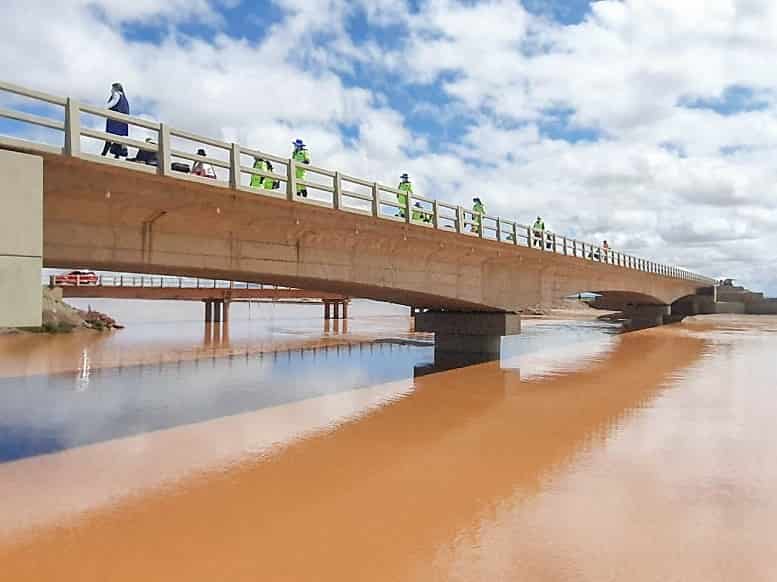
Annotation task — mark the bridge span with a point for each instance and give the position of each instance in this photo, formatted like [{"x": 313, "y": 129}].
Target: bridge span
[
  {"x": 350, "y": 236},
  {"x": 215, "y": 295}
]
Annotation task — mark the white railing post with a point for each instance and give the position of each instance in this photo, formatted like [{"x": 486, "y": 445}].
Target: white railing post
[
  {"x": 530, "y": 237},
  {"x": 163, "y": 155},
  {"x": 459, "y": 219},
  {"x": 337, "y": 195},
  {"x": 375, "y": 199},
  {"x": 234, "y": 166},
  {"x": 408, "y": 206},
  {"x": 482, "y": 229},
  {"x": 72, "y": 128},
  {"x": 435, "y": 215},
  {"x": 291, "y": 179}
]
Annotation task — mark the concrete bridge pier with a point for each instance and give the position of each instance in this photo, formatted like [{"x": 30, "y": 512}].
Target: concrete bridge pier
[
  {"x": 640, "y": 316},
  {"x": 216, "y": 311},
  {"x": 21, "y": 239},
  {"x": 335, "y": 310},
  {"x": 476, "y": 336}
]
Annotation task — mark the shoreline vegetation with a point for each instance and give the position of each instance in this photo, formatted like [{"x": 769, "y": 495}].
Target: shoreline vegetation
[{"x": 59, "y": 317}]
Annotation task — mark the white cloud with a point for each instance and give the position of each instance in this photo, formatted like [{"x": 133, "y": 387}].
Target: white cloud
[{"x": 688, "y": 185}]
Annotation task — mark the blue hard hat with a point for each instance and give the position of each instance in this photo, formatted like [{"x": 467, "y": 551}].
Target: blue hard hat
[
  {"x": 404, "y": 177},
  {"x": 299, "y": 143},
  {"x": 476, "y": 199}
]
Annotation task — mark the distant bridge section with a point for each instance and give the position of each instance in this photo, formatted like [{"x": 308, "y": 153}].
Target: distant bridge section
[{"x": 216, "y": 295}]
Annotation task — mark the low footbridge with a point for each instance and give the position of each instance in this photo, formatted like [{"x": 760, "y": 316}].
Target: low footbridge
[
  {"x": 215, "y": 295},
  {"x": 348, "y": 236}
]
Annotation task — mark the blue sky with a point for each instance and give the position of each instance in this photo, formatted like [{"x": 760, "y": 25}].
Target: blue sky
[
  {"x": 647, "y": 123},
  {"x": 251, "y": 21}
]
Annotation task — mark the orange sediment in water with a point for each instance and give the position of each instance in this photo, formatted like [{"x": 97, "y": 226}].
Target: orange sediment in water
[{"x": 389, "y": 496}]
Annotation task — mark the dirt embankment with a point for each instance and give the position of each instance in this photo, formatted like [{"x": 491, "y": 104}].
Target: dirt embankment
[
  {"x": 59, "y": 317},
  {"x": 564, "y": 309}
]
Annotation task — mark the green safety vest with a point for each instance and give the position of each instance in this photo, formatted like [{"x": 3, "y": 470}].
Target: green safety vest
[
  {"x": 539, "y": 225},
  {"x": 421, "y": 215},
  {"x": 478, "y": 209},
  {"x": 260, "y": 181},
  {"x": 405, "y": 188},
  {"x": 301, "y": 157}
]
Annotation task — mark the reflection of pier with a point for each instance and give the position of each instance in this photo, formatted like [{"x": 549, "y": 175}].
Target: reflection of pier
[{"x": 216, "y": 295}]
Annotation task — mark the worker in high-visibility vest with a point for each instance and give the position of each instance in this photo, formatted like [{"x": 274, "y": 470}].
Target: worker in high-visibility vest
[
  {"x": 262, "y": 181},
  {"x": 539, "y": 231},
  {"x": 301, "y": 155},
  {"x": 420, "y": 214},
  {"x": 478, "y": 210},
  {"x": 405, "y": 189}
]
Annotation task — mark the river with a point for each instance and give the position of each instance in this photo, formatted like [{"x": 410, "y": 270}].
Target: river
[{"x": 584, "y": 454}]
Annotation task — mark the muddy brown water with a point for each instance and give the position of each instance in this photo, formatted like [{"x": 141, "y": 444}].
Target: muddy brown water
[{"x": 644, "y": 456}]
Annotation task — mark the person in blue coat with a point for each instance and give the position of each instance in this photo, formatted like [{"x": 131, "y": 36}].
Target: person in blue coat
[{"x": 117, "y": 102}]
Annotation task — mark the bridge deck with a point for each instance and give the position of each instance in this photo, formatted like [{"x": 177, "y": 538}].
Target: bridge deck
[{"x": 194, "y": 294}]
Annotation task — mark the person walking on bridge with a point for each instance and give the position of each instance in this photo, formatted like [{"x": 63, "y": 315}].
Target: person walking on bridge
[
  {"x": 263, "y": 181},
  {"x": 301, "y": 155},
  {"x": 405, "y": 189},
  {"x": 539, "y": 231},
  {"x": 117, "y": 102},
  {"x": 201, "y": 168},
  {"x": 478, "y": 210}
]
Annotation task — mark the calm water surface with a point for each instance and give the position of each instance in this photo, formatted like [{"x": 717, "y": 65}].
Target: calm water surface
[{"x": 582, "y": 455}]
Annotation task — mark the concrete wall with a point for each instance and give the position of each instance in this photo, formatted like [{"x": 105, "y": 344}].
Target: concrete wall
[
  {"x": 730, "y": 307},
  {"x": 21, "y": 239},
  {"x": 107, "y": 217},
  {"x": 765, "y": 307}
]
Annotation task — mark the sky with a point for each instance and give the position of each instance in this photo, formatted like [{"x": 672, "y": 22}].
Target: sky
[{"x": 648, "y": 123}]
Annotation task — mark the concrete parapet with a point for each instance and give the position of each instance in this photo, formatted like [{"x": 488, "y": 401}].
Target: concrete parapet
[
  {"x": 739, "y": 295},
  {"x": 21, "y": 239}
]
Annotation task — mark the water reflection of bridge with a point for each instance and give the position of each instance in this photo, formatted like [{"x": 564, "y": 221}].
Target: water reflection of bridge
[{"x": 216, "y": 295}]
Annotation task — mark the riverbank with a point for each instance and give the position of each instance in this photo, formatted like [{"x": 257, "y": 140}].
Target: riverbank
[{"x": 59, "y": 317}]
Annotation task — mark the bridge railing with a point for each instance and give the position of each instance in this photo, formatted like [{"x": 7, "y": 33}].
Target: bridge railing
[
  {"x": 153, "y": 281},
  {"x": 173, "y": 153}
]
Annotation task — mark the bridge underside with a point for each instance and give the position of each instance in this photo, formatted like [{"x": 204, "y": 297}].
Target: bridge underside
[{"x": 106, "y": 217}]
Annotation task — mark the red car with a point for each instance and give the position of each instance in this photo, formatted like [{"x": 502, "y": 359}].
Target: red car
[{"x": 76, "y": 278}]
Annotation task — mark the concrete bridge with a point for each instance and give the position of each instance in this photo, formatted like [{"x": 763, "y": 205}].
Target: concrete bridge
[
  {"x": 350, "y": 236},
  {"x": 216, "y": 296}
]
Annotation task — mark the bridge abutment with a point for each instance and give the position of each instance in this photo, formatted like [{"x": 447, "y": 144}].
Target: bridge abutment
[
  {"x": 21, "y": 239},
  {"x": 473, "y": 335}
]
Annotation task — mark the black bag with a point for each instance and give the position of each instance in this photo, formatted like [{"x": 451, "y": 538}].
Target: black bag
[
  {"x": 118, "y": 149},
  {"x": 179, "y": 167}
]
